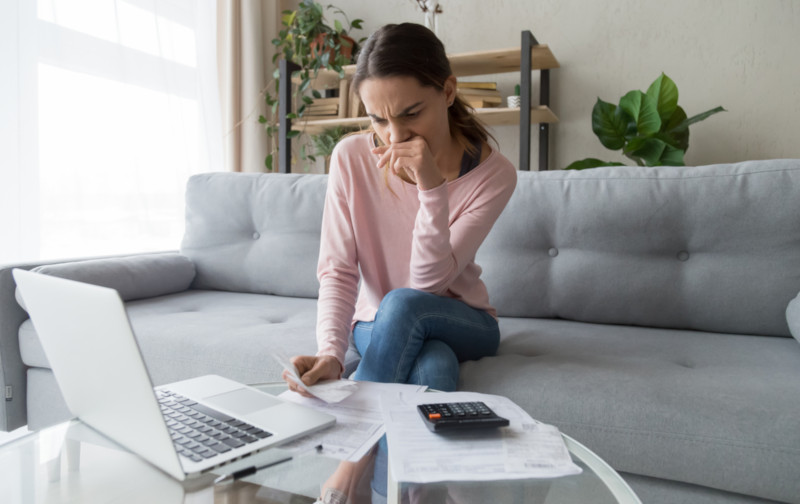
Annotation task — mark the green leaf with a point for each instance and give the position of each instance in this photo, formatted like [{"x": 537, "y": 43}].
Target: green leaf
[
  {"x": 304, "y": 85},
  {"x": 699, "y": 117},
  {"x": 337, "y": 25},
  {"x": 672, "y": 156},
  {"x": 262, "y": 119},
  {"x": 316, "y": 94},
  {"x": 644, "y": 110},
  {"x": 609, "y": 124},
  {"x": 591, "y": 163},
  {"x": 646, "y": 151},
  {"x": 674, "y": 137},
  {"x": 268, "y": 162},
  {"x": 664, "y": 91},
  {"x": 289, "y": 17},
  {"x": 292, "y": 134}
]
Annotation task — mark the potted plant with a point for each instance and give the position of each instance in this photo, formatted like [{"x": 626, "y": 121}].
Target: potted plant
[
  {"x": 650, "y": 128},
  {"x": 324, "y": 143},
  {"x": 310, "y": 42}
]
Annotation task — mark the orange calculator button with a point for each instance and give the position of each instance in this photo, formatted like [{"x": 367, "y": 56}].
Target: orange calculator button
[{"x": 434, "y": 415}]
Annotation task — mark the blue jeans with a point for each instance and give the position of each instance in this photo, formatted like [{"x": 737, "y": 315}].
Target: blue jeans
[{"x": 420, "y": 338}]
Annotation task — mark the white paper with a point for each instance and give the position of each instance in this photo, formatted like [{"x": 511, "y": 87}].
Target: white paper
[
  {"x": 359, "y": 420},
  {"x": 524, "y": 449},
  {"x": 330, "y": 391}
]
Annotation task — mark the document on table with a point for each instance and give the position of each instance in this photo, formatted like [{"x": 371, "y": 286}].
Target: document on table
[
  {"x": 524, "y": 449},
  {"x": 359, "y": 421}
]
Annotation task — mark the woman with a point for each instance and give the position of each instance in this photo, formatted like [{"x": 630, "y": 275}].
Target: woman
[{"x": 407, "y": 207}]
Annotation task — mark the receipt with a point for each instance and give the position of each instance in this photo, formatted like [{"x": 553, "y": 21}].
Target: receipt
[{"x": 330, "y": 391}]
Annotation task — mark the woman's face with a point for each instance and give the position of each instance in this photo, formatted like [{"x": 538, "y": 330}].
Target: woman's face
[{"x": 401, "y": 108}]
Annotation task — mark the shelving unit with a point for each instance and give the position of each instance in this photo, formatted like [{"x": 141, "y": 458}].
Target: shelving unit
[{"x": 528, "y": 57}]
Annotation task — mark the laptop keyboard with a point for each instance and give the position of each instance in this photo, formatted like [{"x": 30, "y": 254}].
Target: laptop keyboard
[{"x": 199, "y": 432}]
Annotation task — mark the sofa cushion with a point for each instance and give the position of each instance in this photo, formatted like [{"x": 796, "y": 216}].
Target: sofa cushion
[
  {"x": 708, "y": 248},
  {"x": 133, "y": 277},
  {"x": 200, "y": 332},
  {"x": 259, "y": 233},
  {"x": 716, "y": 410}
]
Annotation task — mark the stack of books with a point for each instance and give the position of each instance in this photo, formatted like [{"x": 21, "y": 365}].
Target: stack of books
[
  {"x": 323, "y": 107},
  {"x": 480, "y": 94}
]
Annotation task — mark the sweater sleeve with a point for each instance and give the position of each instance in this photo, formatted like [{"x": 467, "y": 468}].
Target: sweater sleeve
[
  {"x": 337, "y": 269},
  {"x": 442, "y": 249}
]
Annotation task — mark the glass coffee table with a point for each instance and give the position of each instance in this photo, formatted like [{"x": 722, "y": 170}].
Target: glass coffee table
[{"x": 70, "y": 462}]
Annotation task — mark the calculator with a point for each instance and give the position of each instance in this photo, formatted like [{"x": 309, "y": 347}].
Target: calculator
[{"x": 443, "y": 417}]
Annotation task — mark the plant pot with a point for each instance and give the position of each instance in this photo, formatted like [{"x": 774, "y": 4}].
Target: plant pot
[{"x": 347, "y": 44}]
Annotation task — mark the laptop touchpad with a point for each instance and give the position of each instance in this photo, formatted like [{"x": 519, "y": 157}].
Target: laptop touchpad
[{"x": 242, "y": 401}]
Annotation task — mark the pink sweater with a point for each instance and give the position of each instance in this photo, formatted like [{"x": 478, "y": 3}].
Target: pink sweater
[{"x": 403, "y": 237}]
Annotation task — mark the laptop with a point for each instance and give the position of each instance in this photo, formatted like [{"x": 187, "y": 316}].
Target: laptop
[{"x": 88, "y": 340}]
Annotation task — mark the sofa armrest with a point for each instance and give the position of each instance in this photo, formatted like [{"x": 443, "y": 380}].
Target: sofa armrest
[
  {"x": 137, "y": 276},
  {"x": 793, "y": 317},
  {"x": 134, "y": 276}
]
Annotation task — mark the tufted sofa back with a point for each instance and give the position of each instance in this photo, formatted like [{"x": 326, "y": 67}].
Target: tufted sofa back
[
  {"x": 256, "y": 233},
  {"x": 713, "y": 248}
]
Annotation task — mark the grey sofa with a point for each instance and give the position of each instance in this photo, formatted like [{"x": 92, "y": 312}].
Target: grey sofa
[{"x": 648, "y": 313}]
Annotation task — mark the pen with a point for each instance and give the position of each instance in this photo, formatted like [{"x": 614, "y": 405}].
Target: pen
[{"x": 249, "y": 471}]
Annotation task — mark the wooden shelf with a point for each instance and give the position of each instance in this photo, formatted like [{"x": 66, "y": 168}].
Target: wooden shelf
[
  {"x": 464, "y": 64},
  {"x": 490, "y": 116},
  {"x": 500, "y": 61}
]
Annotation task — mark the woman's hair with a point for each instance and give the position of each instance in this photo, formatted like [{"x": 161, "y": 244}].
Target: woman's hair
[{"x": 412, "y": 50}]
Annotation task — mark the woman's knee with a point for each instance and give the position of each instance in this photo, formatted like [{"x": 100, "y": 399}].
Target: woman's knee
[
  {"x": 436, "y": 366},
  {"x": 404, "y": 303}
]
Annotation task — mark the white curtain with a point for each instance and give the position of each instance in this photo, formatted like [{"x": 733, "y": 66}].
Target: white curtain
[
  {"x": 106, "y": 108},
  {"x": 245, "y": 31}
]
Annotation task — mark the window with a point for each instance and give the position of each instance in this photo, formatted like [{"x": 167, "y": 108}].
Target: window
[{"x": 110, "y": 106}]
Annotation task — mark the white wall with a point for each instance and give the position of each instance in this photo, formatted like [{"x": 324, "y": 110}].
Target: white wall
[{"x": 741, "y": 54}]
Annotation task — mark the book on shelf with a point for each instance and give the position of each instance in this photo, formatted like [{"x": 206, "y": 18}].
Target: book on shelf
[
  {"x": 478, "y": 92},
  {"x": 479, "y": 103},
  {"x": 476, "y": 85},
  {"x": 481, "y": 98},
  {"x": 332, "y": 108},
  {"x": 325, "y": 101}
]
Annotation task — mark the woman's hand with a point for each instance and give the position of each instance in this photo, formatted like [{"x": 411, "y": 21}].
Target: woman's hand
[
  {"x": 413, "y": 159},
  {"x": 313, "y": 369}
]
